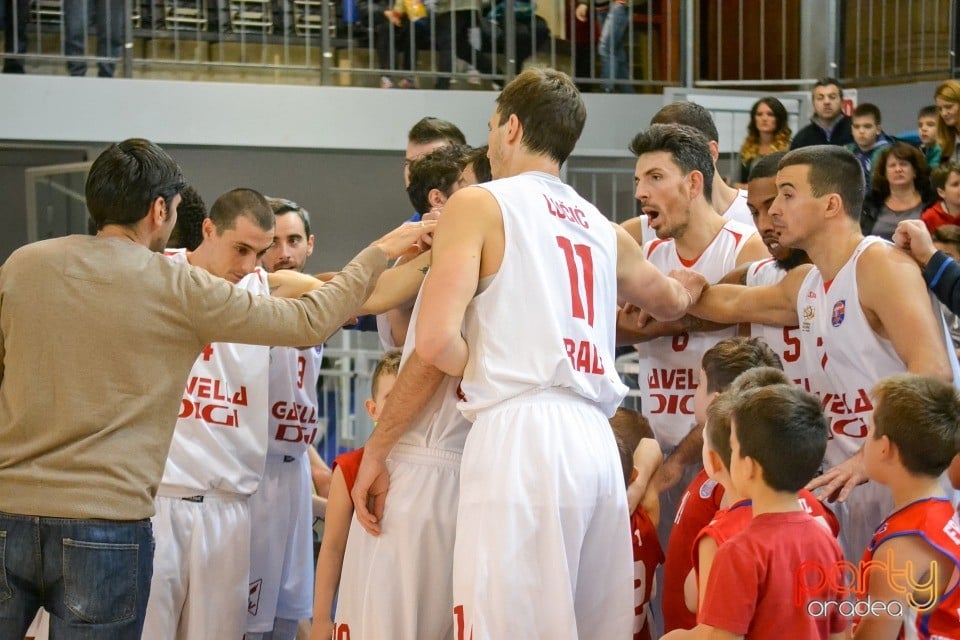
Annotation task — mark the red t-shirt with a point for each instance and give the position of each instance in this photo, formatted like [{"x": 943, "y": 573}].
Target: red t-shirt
[
  {"x": 647, "y": 556},
  {"x": 937, "y": 216},
  {"x": 697, "y": 507},
  {"x": 751, "y": 589},
  {"x": 935, "y": 521},
  {"x": 349, "y": 464}
]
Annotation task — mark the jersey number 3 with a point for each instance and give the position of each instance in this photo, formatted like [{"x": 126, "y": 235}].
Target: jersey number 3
[{"x": 584, "y": 270}]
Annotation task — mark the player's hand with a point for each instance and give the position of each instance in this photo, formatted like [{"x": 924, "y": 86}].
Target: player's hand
[
  {"x": 581, "y": 12},
  {"x": 370, "y": 491},
  {"x": 668, "y": 475},
  {"x": 692, "y": 281},
  {"x": 836, "y": 484},
  {"x": 912, "y": 236},
  {"x": 426, "y": 240},
  {"x": 321, "y": 630},
  {"x": 404, "y": 238}
]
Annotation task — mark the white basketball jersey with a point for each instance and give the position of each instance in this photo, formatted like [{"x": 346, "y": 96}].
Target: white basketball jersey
[
  {"x": 294, "y": 410},
  {"x": 738, "y": 210},
  {"x": 220, "y": 442},
  {"x": 548, "y": 317},
  {"x": 850, "y": 357},
  {"x": 785, "y": 341},
  {"x": 440, "y": 424},
  {"x": 673, "y": 363}
]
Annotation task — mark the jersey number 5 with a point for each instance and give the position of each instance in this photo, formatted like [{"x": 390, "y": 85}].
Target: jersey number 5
[{"x": 571, "y": 252}]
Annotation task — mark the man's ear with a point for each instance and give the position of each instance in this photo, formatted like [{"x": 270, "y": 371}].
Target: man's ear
[{"x": 436, "y": 198}]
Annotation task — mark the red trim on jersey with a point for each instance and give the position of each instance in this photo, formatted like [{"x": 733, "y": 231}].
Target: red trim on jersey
[
  {"x": 653, "y": 245},
  {"x": 756, "y": 266},
  {"x": 737, "y": 238},
  {"x": 826, "y": 285}
]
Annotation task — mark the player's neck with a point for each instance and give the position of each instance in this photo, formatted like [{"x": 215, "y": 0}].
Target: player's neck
[
  {"x": 704, "y": 225},
  {"x": 722, "y": 195},
  {"x": 833, "y": 249},
  {"x": 198, "y": 258},
  {"x": 525, "y": 162},
  {"x": 730, "y": 495},
  {"x": 910, "y": 488},
  {"x": 766, "y": 500}
]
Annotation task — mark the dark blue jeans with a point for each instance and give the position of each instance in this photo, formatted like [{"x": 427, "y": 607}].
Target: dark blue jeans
[
  {"x": 92, "y": 576},
  {"x": 108, "y": 17}
]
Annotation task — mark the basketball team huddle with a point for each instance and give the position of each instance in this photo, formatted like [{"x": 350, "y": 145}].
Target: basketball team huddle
[{"x": 791, "y": 472}]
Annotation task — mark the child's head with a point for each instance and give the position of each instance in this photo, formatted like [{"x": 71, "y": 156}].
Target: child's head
[
  {"x": 866, "y": 125},
  {"x": 723, "y": 362},
  {"x": 778, "y": 436},
  {"x": 381, "y": 384},
  {"x": 716, "y": 433},
  {"x": 629, "y": 428},
  {"x": 945, "y": 178},
  {"x": 947, "y": 239},
  {"x": 927, "y": 125},
  {"x": 916, "y": 421}
]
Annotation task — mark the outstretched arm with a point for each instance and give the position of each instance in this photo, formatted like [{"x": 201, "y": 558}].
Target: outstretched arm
[{"x": 731, "y": 303}]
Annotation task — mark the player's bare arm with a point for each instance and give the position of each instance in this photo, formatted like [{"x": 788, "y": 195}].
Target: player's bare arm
[
  {"x": 416, "y": 384},
  {"x": 773, "y": 304},
  {"x": 701, "y": 632},
  {"x": 467, "y": 245},
  {"x": 330, "y": 560},
  {"x": 642, "y": 284}
]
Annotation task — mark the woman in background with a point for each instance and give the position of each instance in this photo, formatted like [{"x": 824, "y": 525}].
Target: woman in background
[{"x": 768, "y": 132}]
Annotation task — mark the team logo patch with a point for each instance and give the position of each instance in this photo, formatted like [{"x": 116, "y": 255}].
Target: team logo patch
[
  {"x": 253, "y": 599},
  {"x": 806, "y": 322},
  {"x": 839, "y": 313},
  {"x": 706, "y": 489}
]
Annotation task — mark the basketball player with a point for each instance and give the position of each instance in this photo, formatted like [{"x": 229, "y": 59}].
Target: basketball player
[
  {"x": 281, "y": 542},
  {"x": 529, "y": 272},
  {"x": 862, "y": 309}
]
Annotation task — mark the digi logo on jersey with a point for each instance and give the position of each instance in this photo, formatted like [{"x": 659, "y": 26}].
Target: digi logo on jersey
[
  {"x": 672, "y": 403},
  {"x": 839, "y": 313},
  {"x": 209, "y": 400},
  {"x": 301, "y": 425}
]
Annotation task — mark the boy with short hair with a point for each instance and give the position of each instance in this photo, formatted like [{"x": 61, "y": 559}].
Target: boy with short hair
[
  {"x": 913, "y": 439},
  {"x": 868, "y": 137},
  {"x": 340, "y": 504},
  {"x": 778, "y": 437},
  {"x": 927, "y": 132},
  {"x": 720, "y": 365},
  {"x": 946, "y": 180}
]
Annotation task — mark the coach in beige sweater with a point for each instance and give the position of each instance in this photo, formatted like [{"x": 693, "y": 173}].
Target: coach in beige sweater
[{"x": 97, "y": 337}]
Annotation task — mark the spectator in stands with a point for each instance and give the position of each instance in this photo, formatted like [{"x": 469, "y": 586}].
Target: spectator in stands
[
  {"x": 946, "y": 210},
  {"x": 613, "y": 17},
  {"x": 947, "y": 99},
  {"x": 828, "y": 125},
  {"x": 188, "y": 231},
  {"x": 767, "y": 132},
  {"x": 398, "y": 38},
  {"x": 451, "y": 23},
  {"x": 15, "y": 33},
  {"x": 868, "y": 137},
  {"x": 530, "y": 33},
  {"x": 927, "y": 132},
  {"x": 900, "y": 190},
  {"x": 109, "y": 18}
]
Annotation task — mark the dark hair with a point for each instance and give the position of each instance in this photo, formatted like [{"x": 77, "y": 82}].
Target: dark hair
[
  {"x": 868, "y": 109},
  {"x": 127, "y": 178},
  {"x": 481, "y": 163},
  {"x": 389, "y": 365},
  {"x": 921, "y": 416},
  {"x": 188, "y": 231},
  {"x": 550, "y": 110},
  {"x": 947, "y": 234},
  {"x": 921, "y": 172},
  {"x": 241, "y": 202},
  {"x": 783, "y": 429},
  {"x": 781, "y": 137},
  {"x": 439, "y": 169},
  {"x": 929, "y": 111},
  {"x": 826, "y": 82},
  {"x": 629, "y": 428},
  {"x": 690, "y": 114},
  {"x": 941, "y": 173},
  {"x": 833, "y": 169},
  {"x": 688, "y": 147},
  {"x": 283, "y": 206},
  {"x": 430, "y": 129},
  {"x": 730, "y": 357},
  {"x": 767, "y": 166}
]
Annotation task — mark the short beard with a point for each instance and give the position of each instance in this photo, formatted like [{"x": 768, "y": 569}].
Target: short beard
[{"x": 796, "y": 258}]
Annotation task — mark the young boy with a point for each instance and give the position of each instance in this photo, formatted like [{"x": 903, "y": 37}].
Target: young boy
[
  {"x": 640, "y": 456},
  {"x": 719, "y": 366},
  {"x": 946, "y": 180},
  {"x": 736, "y": 512},
  {"x": 912, "y": 561},
  {"x": 778, "y": 436},
  {"x": 927, "y": 131},
  {"x": 340, "y": 505},
  {"x": 868, "y": 137}
]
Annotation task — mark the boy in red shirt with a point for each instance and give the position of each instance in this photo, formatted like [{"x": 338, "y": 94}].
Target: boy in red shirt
[
  {"x": 912, "y": 562},
  {"x": 719, "y": 366},
  {"x": 752, "y": 590},
  {"x": 946, "y": 180}
]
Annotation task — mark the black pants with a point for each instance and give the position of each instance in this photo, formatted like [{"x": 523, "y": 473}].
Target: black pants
[{"x": 15, "y": 28}]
